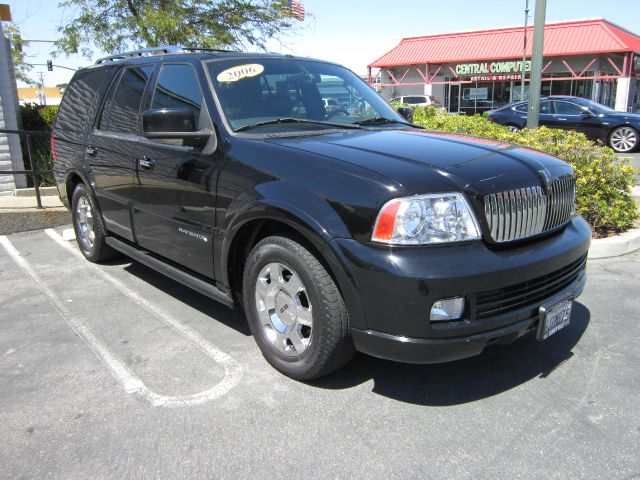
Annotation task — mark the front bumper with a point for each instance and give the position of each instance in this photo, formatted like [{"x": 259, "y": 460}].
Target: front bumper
[{"x": 503, "y": 289}]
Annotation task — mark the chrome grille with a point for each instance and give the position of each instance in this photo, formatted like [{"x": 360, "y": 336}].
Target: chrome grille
[{"x": 525, "y": 212}]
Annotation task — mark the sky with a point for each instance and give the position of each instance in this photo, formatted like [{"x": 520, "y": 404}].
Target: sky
[{"x": 350, "y": 32}]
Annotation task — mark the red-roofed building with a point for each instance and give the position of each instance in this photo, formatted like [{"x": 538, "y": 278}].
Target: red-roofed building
[{"x": 475, "y": 71}]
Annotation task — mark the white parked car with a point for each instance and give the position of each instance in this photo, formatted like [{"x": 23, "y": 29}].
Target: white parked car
[{"x": 418, "y": 100}]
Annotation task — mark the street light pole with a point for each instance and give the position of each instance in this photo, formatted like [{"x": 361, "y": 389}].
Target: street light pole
[
  {"x": 524, "y": 48},
  {"x": 535, "y": 81}
]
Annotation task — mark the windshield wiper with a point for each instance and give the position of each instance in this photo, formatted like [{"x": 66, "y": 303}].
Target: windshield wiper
[
  {"x": 276, "y": 121},
  {"x": 382, "y": 121}
]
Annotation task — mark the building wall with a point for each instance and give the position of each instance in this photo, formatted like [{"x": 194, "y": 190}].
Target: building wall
[
  {"x": 577, "y": 63},
  {"x": 10, "y": 152}
]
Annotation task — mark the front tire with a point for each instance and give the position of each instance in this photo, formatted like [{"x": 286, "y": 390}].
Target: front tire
[
  {"x": 623, "y": 139},
  {"x": 88, "y": 225},
  {"x": 295, "y": 310}
]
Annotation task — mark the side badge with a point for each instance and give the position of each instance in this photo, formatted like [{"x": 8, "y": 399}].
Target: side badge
[{"x": 195, "y": 235}]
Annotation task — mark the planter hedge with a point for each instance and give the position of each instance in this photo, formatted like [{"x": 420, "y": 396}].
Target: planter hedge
[{"x": 603, "y": 180}]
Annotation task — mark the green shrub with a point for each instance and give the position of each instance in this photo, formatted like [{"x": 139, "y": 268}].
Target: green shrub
[
  {"x": 603, "y": 180},
  {"x": 48, "y": 114},
  {"x": 37, "y": 118}
]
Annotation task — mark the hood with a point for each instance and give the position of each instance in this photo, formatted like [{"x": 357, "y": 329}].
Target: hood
[
  {"x": 421, "y": 161},
  {"x": 632, "y": 117}
]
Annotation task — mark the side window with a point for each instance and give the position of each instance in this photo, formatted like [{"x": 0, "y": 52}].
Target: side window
[
  {"x": 564, "y": 108},
  {"x": 522, "y": 108},
  {"x": 178, "y": 86},
  {"x": 81, "y": 100},
  {"x": 124, "y": 112},
  {"x": 545, "y": 107}
]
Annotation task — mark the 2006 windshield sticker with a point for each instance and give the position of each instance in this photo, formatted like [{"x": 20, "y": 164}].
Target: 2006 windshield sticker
[{"x": 234, "y": 74}]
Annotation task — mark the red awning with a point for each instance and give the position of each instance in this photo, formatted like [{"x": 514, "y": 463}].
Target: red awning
[{"x": 580, "y": 37}]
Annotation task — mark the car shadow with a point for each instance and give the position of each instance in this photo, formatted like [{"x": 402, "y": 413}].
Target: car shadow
[
  {"x": 496, "y": 370},
  {"x": 218, "y": 312}
]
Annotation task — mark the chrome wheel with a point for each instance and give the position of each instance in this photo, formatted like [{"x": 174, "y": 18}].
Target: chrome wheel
[
  {"x": 513, "y": 128},
  {"x": 624, "y": 139},
  {"x": 284, "y": 309},
  {"x": 85, "y": 223}
]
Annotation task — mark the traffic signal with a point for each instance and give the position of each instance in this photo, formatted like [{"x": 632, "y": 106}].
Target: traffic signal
[{"x": 50, "y": 65}]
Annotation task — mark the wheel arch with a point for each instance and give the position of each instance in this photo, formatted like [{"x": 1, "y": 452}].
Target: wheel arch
[
  {"x": 72, "y": 180},
  {"x": 276, "y": 218}
]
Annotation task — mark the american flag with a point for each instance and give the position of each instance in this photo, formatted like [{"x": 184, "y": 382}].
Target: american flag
[{"x": 297, "y": 9}]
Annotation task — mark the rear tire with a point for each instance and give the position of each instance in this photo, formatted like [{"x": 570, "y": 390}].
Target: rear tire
[
  {"x": 513, "y": 128},
  {"x": 624, "y": 139},
  {"x": 89, "y": 227},
  {"x": 295, "y": 310}
]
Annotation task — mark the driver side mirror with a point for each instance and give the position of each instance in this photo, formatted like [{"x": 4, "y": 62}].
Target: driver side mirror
[
  {"x": 167, "y": 125},
  {"x": 586, "y": 113},
  {"x": 406, "y": 113}
]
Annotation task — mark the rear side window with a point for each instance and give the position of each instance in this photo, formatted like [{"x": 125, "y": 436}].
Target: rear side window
[
  {"x": 124, "y": 112},
  {"x": 178, "y": 86},
  {"x": 82, "y": 99},
  {"x": 414, "y": 100},
  {"x": 564, "y": 108}
]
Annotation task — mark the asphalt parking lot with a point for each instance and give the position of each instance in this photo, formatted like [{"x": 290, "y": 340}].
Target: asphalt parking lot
[{"x": 114, "y": 371}]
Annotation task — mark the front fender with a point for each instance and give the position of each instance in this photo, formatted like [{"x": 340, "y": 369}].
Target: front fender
[{"x": 310, "y": 216}]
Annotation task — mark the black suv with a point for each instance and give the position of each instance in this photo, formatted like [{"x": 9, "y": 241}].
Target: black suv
[{"x": 335, "y": 231}]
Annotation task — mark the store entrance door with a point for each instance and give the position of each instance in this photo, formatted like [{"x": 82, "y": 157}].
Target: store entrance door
[{"x": 454, "y": 98}]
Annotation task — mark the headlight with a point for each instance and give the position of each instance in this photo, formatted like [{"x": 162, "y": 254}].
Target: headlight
[{"x": 434, "y": 218}]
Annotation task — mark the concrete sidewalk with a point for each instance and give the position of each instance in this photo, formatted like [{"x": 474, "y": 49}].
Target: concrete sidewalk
[{"x": 20, "y": 213}]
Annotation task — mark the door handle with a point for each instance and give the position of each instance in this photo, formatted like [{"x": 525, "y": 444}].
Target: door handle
[
  {"x": 146, "y": 163},
  {"x": 91, "y": 151}
]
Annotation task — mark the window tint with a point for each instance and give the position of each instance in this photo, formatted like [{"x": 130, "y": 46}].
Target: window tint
[
  {"x": 564, "y": 108},
  {"x": 81, "y": 100},
  {"x": 545, "y": 107},
  {"x": 178, "y": 87},
  {"x": 124, "y": 113},
  {"x": 414, "y": 100}
]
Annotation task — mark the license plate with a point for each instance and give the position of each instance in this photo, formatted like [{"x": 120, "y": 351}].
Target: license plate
[{"x": 554, "y": 318}]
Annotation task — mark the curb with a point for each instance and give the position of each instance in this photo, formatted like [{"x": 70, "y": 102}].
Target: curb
[
  {"x": 25, "y": 219},
  {"x": 31, "y": 192},
  {"x": 623, "y": 244}
]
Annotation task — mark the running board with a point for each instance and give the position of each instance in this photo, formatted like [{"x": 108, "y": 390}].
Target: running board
[{"x": 170, "y": 271}]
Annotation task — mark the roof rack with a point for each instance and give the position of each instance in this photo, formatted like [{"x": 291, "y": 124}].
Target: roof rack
[{"x": 147, "y": 52}]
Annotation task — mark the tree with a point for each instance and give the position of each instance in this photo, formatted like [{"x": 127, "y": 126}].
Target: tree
[
  {"x": 118, "y": 25},
  {"x": 20, "y": 66}
]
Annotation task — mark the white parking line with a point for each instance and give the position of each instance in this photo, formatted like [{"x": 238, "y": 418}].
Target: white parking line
[{"x": 131, "y": 383}]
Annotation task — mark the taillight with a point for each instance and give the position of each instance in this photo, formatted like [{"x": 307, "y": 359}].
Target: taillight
[
  {"x": 54, "y": 157},
  {"x": 490, "y": 119}
]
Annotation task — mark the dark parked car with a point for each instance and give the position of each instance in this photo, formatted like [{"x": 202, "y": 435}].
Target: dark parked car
[
  {"x": 334, "y": 232},
  {"x": 618, "y": 130}
]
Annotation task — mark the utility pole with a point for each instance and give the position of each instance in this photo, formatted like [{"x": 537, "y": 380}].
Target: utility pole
[
  {"x": 524, "y": 48},
  {"x": 42, "y": 99},
  {"x": 535, "y": 81}
]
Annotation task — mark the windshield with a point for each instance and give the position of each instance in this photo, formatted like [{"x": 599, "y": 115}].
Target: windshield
[{"x": 259, "y": 93}]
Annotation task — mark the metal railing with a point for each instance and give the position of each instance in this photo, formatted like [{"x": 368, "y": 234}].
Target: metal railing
[{"x": 28, "y": 147}]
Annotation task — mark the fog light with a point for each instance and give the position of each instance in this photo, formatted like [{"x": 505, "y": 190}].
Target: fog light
[{"x": 447, "y": 309}]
